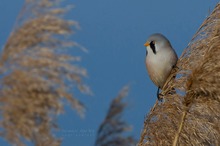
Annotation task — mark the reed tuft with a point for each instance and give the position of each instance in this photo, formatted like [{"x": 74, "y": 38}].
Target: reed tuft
[
  {"x": 37, "y": 75},
  {"x": 191, "y": 115},
  {"x": 113, "y": 130}
]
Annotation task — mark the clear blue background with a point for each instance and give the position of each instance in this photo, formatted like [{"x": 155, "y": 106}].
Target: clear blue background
[{"x": 114, "y": 33}]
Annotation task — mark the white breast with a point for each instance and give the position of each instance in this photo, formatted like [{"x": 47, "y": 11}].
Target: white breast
[{"x": 159, "y": 65}]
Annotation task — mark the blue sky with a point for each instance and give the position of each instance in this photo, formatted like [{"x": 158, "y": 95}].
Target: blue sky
[{"x": 114, "y": 33}]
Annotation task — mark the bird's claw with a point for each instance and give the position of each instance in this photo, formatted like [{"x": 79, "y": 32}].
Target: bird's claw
[{"x": 160, "y": 97}]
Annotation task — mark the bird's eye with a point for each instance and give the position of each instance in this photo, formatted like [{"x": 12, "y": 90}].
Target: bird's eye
[{"x": 152, "y": 46}]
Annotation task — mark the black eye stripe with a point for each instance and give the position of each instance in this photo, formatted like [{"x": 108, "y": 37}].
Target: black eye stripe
[{"x": 152, "y": 46}]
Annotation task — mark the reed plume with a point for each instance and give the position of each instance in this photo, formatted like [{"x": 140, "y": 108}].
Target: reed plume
[
  {"x": 190, "y": 116},
  {"x": 38, "y": 74},
  {"x": 113, "y": 130}
]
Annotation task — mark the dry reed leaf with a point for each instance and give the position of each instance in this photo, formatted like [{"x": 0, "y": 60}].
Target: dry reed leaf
[
  {"x": 191, "y": 116},
  {"x": 112, "y": 130},
  {"x": 36, "y": 75}
]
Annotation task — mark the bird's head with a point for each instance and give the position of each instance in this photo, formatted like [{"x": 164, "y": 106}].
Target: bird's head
[{"x": 156, "y": 42}]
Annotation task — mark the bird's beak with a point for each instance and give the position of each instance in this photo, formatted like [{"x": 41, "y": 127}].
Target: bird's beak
[{"x": 147, "y": 44}]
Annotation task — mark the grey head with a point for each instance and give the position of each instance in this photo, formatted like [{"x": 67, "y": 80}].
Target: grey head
[{"x": 157, "y": 42}]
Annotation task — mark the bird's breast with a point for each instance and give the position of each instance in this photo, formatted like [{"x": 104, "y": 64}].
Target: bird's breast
[{"x": 159, "y": 67}]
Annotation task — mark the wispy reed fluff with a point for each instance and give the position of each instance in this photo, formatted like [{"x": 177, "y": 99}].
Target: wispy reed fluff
[
  {"x": 113, "y": 130},
  {"x": 191, "y": 116},
  {"x": 36, "y": 74}
]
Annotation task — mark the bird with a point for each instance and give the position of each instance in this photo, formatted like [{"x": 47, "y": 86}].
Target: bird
[{"x": 161, "y": 58}]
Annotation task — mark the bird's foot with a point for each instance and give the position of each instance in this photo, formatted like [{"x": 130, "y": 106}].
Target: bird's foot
[{"x": 160, "y": 97}]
